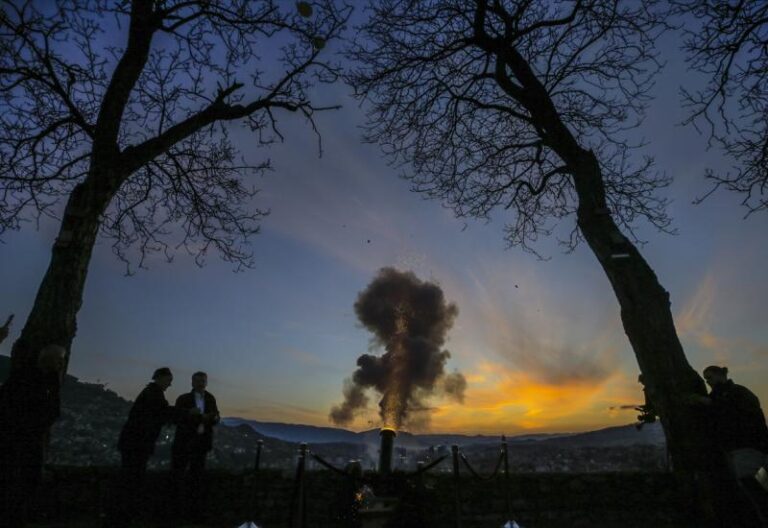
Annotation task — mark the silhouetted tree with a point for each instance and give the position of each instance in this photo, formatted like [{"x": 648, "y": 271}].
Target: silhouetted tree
[
  {"x": 120, "y": 110},
  {"x": 520, "y": 106},
  {"x": 728, "y": 43}
]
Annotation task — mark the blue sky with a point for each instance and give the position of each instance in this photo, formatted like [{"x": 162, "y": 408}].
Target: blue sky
[{"x": 541, "y": 343}]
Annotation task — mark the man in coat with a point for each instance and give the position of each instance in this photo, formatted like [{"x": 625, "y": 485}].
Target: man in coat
[
  {"x": 137, "y": 440},
  {"x": 193, "y": 440},
  {"x": 29, "y": 405},
  {"x": 740, "y": 432}
]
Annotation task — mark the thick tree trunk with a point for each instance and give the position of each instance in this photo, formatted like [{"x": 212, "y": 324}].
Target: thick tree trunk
[
  {"x": 648, "y": 323},
  {"x": 60, "y": 295},
  {"x": 53, "y": 319},
  {"x": 645, "y": 306}
]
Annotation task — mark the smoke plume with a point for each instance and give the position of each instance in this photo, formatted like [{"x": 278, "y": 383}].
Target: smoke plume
[{"x": 409, "y": 318}]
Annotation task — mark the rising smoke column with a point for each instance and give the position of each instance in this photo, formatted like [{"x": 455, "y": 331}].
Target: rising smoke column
[{"x": 410, "y": 319}]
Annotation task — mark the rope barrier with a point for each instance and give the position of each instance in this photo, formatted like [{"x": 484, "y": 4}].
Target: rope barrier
[
  {"x": 298, "y": 511},
  {"x": 476, "y": 474},
  {"x": 330, "y": 466},
  {"x": 428, "y": 466},
  {"x": 343, "y": 473}
]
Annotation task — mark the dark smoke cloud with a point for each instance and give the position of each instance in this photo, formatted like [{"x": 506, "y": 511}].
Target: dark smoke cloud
[
  {"x": 354, "y": 398},
  {"x": 454, "y": 385},
  {"x": 413, "y": 365}
]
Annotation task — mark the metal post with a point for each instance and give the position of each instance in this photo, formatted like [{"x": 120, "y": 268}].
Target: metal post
[
  {"x": 302, "y": 486},
  {"x": 298, "y": 504},
  {"x": 456, "y": 489},
  {"x": 385, "y": 454},
  {"x": 420, "y": 499},
  {"x": 255, "y": 509},
  {"x": 505, "y": 456},
  {"x": 256, "y": 490},
  {"x": 257, "y": 461},
  {"x": 420, "y": 475}
]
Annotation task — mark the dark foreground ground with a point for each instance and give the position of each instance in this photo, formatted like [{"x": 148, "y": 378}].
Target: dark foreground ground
[{"x": 79, "y": 497}]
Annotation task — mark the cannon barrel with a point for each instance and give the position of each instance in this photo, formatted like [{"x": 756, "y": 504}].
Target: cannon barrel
[{"x": 385, "y": 453}]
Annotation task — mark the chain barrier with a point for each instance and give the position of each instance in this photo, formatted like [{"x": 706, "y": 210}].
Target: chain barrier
[
  {"x": 344, "y": 473},
  {"x": 427, "y": 467},
  {"x": 476, "y": 474},
  {"x": 298, "y": 512},
  {"x": 330, "y": 466},
  {"x": 503, "y": 483}
]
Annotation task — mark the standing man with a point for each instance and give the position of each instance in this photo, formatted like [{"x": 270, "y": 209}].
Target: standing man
[
  {"x": 137, "y": 440},
  {"x": 193, "y": 440},
  {"x": 29, "y": 405},
  {"x": 739, "y": 428}
]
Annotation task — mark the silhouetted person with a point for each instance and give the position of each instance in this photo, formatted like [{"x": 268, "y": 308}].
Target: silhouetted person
[
  {"x": 193, "y": 440},
  {"x": 740, "y": 433},
  {"x": 29, "y": 405},
  {"x": 137, "y": 440},
  {"x": 349, "y": 496}
]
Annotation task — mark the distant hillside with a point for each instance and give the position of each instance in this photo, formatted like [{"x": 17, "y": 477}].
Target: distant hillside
[
  {"x": 297, "y": 432},
  {"x": 92, "y": 416},
  {"x": 625, "y": 435},
  {"x": 319, "y": 435}
]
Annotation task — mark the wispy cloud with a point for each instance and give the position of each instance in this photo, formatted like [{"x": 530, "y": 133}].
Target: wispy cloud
[
  {"x": 696, "y": 324},
  {"x": 308, "y": 359},
  {"x": 512, "y": 401}
]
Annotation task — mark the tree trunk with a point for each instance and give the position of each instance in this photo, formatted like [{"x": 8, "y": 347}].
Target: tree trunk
[
  {"x": 648, "y": 323},
  {"x": 60, "y": 295},
  {"x": 645, "y": 306}
]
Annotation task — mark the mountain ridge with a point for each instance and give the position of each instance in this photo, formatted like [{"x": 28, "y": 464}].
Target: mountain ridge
[
  {"x": 106, "y": 410},
  {"x": 622, "y": 435}
]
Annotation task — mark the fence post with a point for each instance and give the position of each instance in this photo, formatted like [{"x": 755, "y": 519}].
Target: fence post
[
  {"x": 256, "y": 484},
  {"x": 505, "y": 456},
  {"x": 456, "y": 488},
  {"x": 298, "y": 504},
  {"x": 257, "y": 460},
  {"x": 420, "y": 475}
]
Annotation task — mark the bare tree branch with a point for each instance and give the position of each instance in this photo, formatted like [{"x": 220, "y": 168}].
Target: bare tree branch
[
  {"x": 150, "y": 119},
  {"x": 451, "y": 86},
  {"x": 728, "y": 42}
]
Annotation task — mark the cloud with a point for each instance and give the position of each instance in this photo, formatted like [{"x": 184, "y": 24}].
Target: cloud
[
  {"x": 512, "y": 401},
  {"x": 698, "y": 320},
  {"x": 542, "y": 344},
  {"x": 306, "y": 358}
]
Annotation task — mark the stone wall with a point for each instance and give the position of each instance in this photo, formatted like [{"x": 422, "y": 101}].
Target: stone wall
[{"x": 626, "y": 500}]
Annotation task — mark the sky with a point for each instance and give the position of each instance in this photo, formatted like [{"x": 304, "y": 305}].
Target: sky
[{"x": 540, "y": 342}]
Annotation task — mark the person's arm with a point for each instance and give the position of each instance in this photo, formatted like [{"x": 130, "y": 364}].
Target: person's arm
[
  {"x": 748, "y": 407},
  {"x": 697, "y": 399},
  {"x": 181, "y": 412},
  {"x": 213, "y": 416},
  {"x": 160, "y": 408}
]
